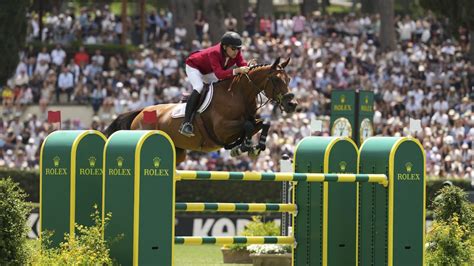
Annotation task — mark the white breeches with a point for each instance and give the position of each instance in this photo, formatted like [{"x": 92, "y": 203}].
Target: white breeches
[{"x": 197, "y": 79}]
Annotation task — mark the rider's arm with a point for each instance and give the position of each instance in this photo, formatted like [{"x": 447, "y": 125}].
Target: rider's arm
[{"x": 220, "y": 73}]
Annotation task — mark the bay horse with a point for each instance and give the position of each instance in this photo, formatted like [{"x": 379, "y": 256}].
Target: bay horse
[{"x": 229, "y": 119}]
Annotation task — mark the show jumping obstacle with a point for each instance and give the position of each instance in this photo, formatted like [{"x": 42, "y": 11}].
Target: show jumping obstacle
[{"x": 339, "y": 217}]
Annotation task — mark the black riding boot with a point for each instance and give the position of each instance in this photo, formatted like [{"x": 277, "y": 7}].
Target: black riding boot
[{"x": 191, "y": 106}]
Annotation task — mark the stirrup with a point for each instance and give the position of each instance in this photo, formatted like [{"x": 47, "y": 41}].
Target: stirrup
[{"x": 187, "y": 129}]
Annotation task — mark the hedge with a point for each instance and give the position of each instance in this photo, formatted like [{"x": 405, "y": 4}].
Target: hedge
[{"x": 70, "y": 49}]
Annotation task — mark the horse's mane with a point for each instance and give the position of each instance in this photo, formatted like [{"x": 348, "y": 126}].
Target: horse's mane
[{"x": 258, "y": 66}]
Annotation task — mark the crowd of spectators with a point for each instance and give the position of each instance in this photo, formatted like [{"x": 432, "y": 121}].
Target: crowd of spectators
[{"x": 427, "y": 77}]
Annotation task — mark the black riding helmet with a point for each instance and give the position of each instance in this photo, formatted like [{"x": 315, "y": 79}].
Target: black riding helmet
[{"x": 231, "y": 38}]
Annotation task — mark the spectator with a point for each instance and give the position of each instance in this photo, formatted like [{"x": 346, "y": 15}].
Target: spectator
[
  {"x": 250, "y": 20},
  {"x": 426, "y": 77},
  {"x": 152, "y": 21},
  {"x": 58, "y": 56},
  {"x": 82, "y": 57},
  {"x": 199, "y": 24},
  {"x": 230, "y": 22},
  {"x": 98, "y": 58},
  {"x": 65, "y": 84}
]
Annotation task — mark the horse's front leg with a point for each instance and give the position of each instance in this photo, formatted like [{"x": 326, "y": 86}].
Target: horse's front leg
[
  {"x": 261, "y": 146},
  {"x": 249, "y": 128}
]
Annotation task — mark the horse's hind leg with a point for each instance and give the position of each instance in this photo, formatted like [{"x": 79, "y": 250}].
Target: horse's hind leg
[{"x": 180, "y": 155}]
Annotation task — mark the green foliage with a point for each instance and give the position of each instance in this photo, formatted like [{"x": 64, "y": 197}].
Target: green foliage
[
  {"x": 12, "y": 32},
  {"x": 13, "y": 229},
  {"x": 71, "y": 48},
  {"x": 459, "y": 12},
  {"x": 28, "y": 181},
  {"x": 257, "y": 228},
  {"x": 434, "y": 184},
  {"x": 450, "y": 242},
  {"x": 452, "y": 201},
  {"x": 86, "y": 248}
]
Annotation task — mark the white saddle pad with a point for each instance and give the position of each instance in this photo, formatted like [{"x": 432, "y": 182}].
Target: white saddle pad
[{"x": 178, "y": 111}]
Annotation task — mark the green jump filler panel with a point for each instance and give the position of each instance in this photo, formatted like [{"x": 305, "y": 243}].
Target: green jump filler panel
[
  {"x": 325, "y": 227},
  {"x": 392, "y": 220},
  {"x": 70, "y": 180},
  {"x": 139, "y": 191}
]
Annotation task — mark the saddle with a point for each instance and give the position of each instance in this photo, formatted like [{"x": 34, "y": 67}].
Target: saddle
[
  {"x": 204, "y": 102},
  {"x": 204, "y": 92}
]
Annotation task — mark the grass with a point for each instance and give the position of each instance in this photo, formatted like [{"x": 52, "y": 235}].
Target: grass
[{"x": 205, "y": 255}]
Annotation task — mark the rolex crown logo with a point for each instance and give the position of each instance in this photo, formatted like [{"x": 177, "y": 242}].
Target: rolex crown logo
[
  {"x": 343, "y": 98},
  {"x": 156, "y": 162},
  {"x": 409, "y": 167},
  {"x": 120, "y": 161},
  {"x": 366, "y": 100},
  {"x": 342, "y": 166},
  {"x": 56, "y": 160},
  {"x": 92, "y": 161}
]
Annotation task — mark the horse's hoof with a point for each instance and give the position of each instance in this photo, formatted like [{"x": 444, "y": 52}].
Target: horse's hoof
[
  {"x": 235, "y": 152},
  {"x": 254, "y": 153}
]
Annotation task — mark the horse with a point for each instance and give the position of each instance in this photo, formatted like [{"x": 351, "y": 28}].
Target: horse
[{"x": 229, "y": 120}]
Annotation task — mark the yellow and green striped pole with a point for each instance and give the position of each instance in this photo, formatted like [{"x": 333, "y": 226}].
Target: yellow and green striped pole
[
  {"x": 234, "y": 207},
  {"x": 228, "y": 240},
  {"x": 306, "y": 177}
]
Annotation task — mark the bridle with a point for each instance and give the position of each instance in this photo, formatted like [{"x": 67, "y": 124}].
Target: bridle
[{"x": 278, "y": 98}]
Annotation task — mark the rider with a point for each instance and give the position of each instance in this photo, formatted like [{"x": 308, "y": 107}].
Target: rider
[{"x": 210, "y": 65}]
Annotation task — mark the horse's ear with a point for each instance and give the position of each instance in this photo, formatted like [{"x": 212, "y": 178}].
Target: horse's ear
[
  {"x": 275, "y": 64},
  {"x": 284, "y": 64}
]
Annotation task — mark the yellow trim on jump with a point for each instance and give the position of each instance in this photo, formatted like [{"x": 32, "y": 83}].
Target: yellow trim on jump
[
  {"x": 72, "y": 201},
  {"x": 41, "y": 186},
  {"x": 391, "y": 196},
  {"x": 136, "y": 193}
]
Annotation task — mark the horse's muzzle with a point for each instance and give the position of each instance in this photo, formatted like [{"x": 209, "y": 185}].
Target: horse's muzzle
[{"x": 288, "y": 103}]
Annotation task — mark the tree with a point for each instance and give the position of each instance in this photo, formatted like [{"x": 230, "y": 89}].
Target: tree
[
  {"x": 308, "y": 7},
  {"x": 387, "y": 28},
  {"x": 369, "y": 6},
  {"x": 460, "y": 12},
  {"x": 124, "y": 20},
  {"x": 238, "y": 9},
  {"x": 264, "y": 8},
  {"x": 405, "y": 5},
  {"x": 12, "y": 33},
  {"x": 214, "y": 14},
  {"x": 183, "y": 13},
  {"x": 324, "y": 6}
]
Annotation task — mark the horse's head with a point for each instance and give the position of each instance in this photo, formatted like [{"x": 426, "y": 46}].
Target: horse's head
[{"x": 276, "y": 86}]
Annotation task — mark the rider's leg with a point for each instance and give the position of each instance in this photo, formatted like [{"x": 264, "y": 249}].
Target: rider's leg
[
  {"x": 187, "y": 128},
  {"x": 196, "y": 79}
]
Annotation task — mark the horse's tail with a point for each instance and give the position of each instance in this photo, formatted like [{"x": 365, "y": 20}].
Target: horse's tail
[{"x": 122, "y": 122}]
